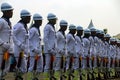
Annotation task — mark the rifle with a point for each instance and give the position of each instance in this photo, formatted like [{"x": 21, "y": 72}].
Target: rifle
[
  {"x": 18, "y": 72},
  {"x": 92, "y": 63},
  {"x": 98, "y": 65},
  {"x": 28, "y": 62},
  {"x": 88, "y": 66},
  {"x": 80, "y": 66},
  {"x": 105, "y": 61},
  {"x": 51, "y": 68},
  {"x": 116, "y": 65},
  {"x": 5, "y": 58},
  {"x": 62, "y": 68},
  {"x": 70, "y": 67},
  {"x": 35, "y": 66},
  {"x": 20, "y": 59},
  {"x": 35, "y": 62}
]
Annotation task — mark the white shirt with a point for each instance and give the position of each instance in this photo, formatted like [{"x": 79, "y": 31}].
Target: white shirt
[
  {"x": 79, "y": 45},
  {"x": 71, "y": 43},
  {"x": 5, "y": 35},
  {"x": 61, "y": 44},
  {"x": 49, "y": 39},
  {"x": 86, "y": 46},
  {"x": 20, "y": 36},
  {"x": 34, "y": 40}
]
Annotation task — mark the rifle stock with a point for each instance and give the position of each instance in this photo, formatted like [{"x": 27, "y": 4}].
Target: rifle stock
[
  {"x": 20, "y": 59},
  {"x": 80, "y": 66},
  {"x": 98, "y": 66},
  {"x": 51, "y": 67},
  {"x": 5, "y": 58},
  {"x": 70, "y": 67}
]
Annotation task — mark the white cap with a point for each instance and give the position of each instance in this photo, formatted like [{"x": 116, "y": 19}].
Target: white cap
[
  {"x": 6, "y": 7},
  {"x": 51, "y": 16},
  {"x": 37, "y": 17},
  {"x": 63, "y": 23},
  {"x": 112, "y": 39},
  {"x": 107, "y": 35},
  {"x": 102, "y": 32},
  {"x": 72, "y": 26},
  {"x": 24, "y": 13},
  {"x": 97, "y": 31},
  {"x": 79, "y": 28},
  {"x": 118, "y": 41},
  {"x": 87, "y": 31},
  {"x": 92, "y": 29}
]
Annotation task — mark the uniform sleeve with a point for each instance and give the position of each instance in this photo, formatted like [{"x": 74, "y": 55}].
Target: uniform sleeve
[
  {"x": 1, "y": 24},
  {"x": 46, "y": 34},
  {"x": 68, "y": 38},
  {"x": 32, "y": 33},
  {"x": 58, "y": 39},
  {"x": 67, "y": 41},
  {"x": 83, "y": 43},
  {"x": 58, "y": 36},
  {"x": 16, "y": 30}
]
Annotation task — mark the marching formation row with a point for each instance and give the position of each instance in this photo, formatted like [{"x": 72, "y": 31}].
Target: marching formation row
[{"x": 88, "y": 54}]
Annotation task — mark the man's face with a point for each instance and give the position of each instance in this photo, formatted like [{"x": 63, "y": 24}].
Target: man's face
[
  {"x": 8, "y": 13},
  {"x": 38, "y": 22},
  {"x": 53, "y": 21},
  {"x": 73, "y": 31},
  {"x": 26, "y": 19},
  {"x": 80, "y": 32},
  {"x": 93, "y": 33},
  {"x": 64, "y": 28}
]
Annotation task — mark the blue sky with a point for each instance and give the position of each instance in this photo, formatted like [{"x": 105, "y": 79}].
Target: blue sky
[{"x": 104, "y": 13}]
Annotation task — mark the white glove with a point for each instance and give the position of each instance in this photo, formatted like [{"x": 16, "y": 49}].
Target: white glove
[
  {"x": 62, "y": 52},
  {"x": 26, "y": 36},
  {"x": 22, "y": 46},
  {"x": 52, "y": 51},
  {"x": 6, "y": 46},
  {"x": 37, "y": 51}
]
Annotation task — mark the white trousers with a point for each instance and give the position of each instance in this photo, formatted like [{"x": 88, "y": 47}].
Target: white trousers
[
  {"x": 76, "y": 63},
  {"x": 39, "y": 64},
  {"x": 23, "y": 66}
]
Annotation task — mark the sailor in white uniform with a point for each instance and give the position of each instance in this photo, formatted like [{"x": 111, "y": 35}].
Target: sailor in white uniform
[
  {"x": 50, "y": 44},
  {"x": 61, "y": 48},
  {"x": 21, "y": 40},
  {"x": 71, "y": 43},
  {"x": 79, "y": 46},
  {"x": 6, "y": 44},
  {"x": 61, "y": 43},
  {"x": 35, "y": 44},
  {"x": 86, "y": 48}
]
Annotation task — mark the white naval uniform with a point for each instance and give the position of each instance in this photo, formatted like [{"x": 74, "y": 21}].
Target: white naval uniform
[
  {"x": 79, "y": 51},
  {"x": 86, "y": 51},
  {"x": 118, "y": 54},
  {"x": 61, "y": 49},
  {"x": 71, "y": 50},
  {"x": 118, "y": 51},
  {"x": 50, "y": 45},
  {"x": 35, "y": 44},
  {"x": 93, "y": 50},
  {"x": 5, "y": 37},
  {"x": 106, "y": 50},
  {"x": 111, "y": 53},
  {"x": 21, "y": 37},
  {"x": 114, "y": 55}
]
